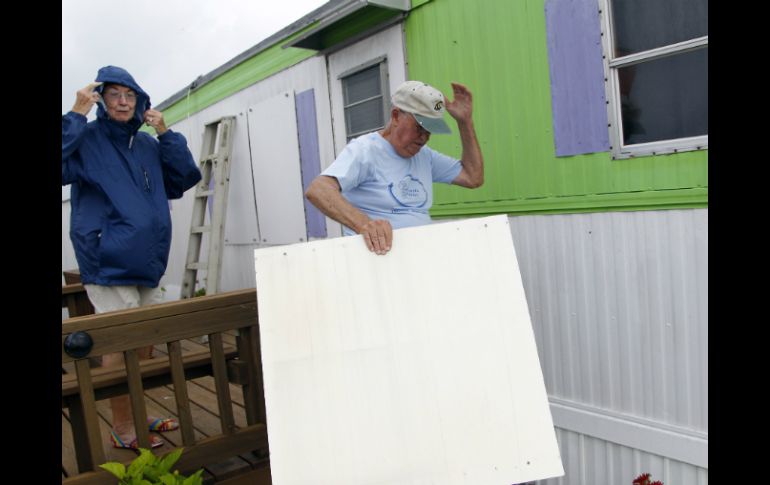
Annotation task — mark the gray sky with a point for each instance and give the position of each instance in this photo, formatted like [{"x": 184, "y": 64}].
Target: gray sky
[{"x": 164, "y": 44}]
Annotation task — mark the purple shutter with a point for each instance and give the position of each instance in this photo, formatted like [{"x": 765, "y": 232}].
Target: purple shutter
[
  {"x": 577, "y": 77},
  {"x": 310, "y": 159}
]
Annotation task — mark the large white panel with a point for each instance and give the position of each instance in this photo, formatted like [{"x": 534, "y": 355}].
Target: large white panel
[
  {"x": 277, "y": 176},
  {"x": 416, "y": 367}
]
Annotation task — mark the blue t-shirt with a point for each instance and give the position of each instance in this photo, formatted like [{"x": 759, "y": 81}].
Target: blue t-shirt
[{"x": 384, "y": 185}]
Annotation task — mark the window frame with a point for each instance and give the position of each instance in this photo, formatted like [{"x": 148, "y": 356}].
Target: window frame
[
  {"x": 382, "y": 61},
  {"x": 612, "y": 64}
]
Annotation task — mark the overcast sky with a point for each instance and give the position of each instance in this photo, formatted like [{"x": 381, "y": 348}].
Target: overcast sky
[{"x": 164, "y": 44}]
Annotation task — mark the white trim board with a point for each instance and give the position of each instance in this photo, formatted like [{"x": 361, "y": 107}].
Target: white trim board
[{"x": 681, "y": 445}]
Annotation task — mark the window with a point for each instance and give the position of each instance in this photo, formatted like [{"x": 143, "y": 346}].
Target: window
[
  {"x": 656, "y": 61},
  {"x": 365, "y": 98}
]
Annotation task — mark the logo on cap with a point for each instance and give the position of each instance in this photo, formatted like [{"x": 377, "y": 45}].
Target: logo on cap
[{"x": 438, "y": 106}]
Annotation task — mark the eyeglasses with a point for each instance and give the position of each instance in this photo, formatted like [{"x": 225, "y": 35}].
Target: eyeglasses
[
  {"x": 116, "y": 95},
  {"x": 418, "y": 127}
]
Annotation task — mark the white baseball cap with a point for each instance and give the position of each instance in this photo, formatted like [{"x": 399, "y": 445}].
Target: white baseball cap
[{"x": 423, "y": 101}]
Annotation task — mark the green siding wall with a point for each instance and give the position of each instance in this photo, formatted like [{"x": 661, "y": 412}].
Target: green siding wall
[{"x": 498, "y": 49}]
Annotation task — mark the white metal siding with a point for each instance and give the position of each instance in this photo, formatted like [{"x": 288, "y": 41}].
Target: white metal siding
[{"x": 619, "y": 304}]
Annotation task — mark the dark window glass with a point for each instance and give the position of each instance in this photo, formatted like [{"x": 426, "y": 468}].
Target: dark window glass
[
  {"x": 640, "y": 25},
  {"x": 363, "y": 103},
  {"x": 364, "y": 117},
  {"x": 665, "y": 98},
  {"x": 362, "y": 85}
]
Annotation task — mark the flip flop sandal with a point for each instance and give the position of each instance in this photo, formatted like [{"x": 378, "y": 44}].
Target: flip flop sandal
[
  {"x": 117, "y": 442},
  {"x": 162, "y": 424}
]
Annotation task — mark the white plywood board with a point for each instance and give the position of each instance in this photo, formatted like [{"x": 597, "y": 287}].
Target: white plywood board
[
  {"x": 277, "y": 177},
  {"x": 241, "y": 217},
  {"x": 417, "y": 367}
]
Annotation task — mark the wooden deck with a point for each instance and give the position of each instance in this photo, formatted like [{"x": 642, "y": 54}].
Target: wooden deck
[
  {"x": 161, "y": 402},
  {"x": 221, "y": 452}
]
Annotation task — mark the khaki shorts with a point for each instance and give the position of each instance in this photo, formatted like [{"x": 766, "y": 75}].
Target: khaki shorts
[{"x": 111, "y": 298}]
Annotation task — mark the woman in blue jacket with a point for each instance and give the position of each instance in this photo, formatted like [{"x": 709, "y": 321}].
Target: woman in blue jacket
[{"x": 120, "y": 227}]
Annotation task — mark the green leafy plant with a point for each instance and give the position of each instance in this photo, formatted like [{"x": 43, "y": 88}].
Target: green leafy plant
[{"x": 148, "y": 469}]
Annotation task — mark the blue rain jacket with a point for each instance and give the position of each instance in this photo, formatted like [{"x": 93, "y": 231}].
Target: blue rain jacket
[{"x": 121, "y": 181}]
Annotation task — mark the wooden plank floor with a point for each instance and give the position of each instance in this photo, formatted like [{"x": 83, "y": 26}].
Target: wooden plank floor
[{"x": 161, "y": 401}]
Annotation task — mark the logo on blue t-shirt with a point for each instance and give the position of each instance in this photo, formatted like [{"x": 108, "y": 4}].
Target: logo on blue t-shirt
[{"x": 409, "y": 192}]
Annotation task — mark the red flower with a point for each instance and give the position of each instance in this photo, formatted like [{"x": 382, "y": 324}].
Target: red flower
[{"x": 643, "y": 479}]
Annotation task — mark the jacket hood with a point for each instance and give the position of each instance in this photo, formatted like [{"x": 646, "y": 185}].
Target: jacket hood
[{"x": 118, "y": 75}]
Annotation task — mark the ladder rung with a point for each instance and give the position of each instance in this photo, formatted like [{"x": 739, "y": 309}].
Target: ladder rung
[
  {"x": 197, "y": 266},
  {"x": 209, "y": 158},
  {"x": 204, "y": 193},
  {"x": 200, "y": 229}
]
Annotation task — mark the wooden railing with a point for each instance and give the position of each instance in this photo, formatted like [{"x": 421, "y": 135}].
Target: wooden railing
[
  {"x": 75, "y": 300},
  {"x": 168, "y": 323},
  {"x": 73, "y": 295}
]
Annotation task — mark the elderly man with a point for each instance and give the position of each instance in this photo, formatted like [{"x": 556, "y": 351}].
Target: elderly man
[
  {"x": 120, "y": 228},
  {"x": 384, "y": 180}
]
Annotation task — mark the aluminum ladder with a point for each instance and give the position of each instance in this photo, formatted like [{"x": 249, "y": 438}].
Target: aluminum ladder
[{"x": 210, "y": 192}]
